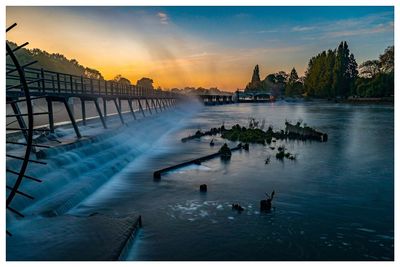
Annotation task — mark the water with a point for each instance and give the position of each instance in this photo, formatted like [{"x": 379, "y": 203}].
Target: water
[{"x": 335, "y": 202}]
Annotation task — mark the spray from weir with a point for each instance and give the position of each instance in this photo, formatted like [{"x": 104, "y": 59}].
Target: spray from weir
[{"x": 76, "y": 170}]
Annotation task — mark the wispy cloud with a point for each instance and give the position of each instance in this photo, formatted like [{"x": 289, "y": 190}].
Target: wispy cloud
[
  {"x": 368, "y": 25},
  {"x": 378, "y": 29},
  {"x": 164, "y": 19},
  {"x": 302, "y": 28}
]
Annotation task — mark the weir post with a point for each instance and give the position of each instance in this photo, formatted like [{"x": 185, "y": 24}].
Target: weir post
[
  {"x": 163, "y": 104},
  {"x": 131, "y": 108},
  {"x": 148, "y": 106},
  {"x": 119, "y": 111},
  {"x": 100, "y": 115},
  {"x": 71, "y": 117},
  {"x": 154, "y": 105},
  {"x": 50, "y": 110},
  {"x": 20, "y": 120},
  {"x": 83, "y": 111},
  {"x": 140, "y": 107},
  {"x": 105, "y": 108}
]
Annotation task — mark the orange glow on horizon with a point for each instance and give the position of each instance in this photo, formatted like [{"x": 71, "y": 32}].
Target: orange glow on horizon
[{"x": 175, "y": 59}]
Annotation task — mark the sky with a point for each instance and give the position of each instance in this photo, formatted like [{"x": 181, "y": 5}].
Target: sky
[{"x": 200, "y": 46}]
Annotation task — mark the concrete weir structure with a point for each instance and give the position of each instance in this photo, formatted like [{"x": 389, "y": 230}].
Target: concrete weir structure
[{"x": 75, "y": 169}]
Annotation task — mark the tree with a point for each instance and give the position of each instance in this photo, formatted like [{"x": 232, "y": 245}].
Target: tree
[
  {"x": 370, "y": 68},
  {"x": 145, "y": 82},
  {"x": 93, "y": 74},
  {"x": 122, "y": 80},
  {"x": 255, "y": 83},
  {"x": 256, "y": 75},
  {"x": 54, "y": 62},
  {"x": 377, "y": 76},
  {"x": 331, "y": 73},
  {"x": 387, "y": 60},
  {"x": 294, "y": 86},
  {"x": 293, "y": 77}
]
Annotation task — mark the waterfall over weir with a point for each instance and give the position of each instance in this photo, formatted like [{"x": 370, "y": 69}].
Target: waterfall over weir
[{"x": 76, "y": 170}]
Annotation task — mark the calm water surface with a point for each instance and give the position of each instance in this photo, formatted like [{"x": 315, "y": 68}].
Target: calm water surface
[{"x": 335, "y": 202}]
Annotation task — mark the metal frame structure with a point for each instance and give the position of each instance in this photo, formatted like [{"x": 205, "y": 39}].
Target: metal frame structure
[{"x": 25, "y": 128}]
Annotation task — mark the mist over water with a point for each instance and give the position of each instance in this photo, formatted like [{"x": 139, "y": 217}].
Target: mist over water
[{"x": 335, "y": 202}]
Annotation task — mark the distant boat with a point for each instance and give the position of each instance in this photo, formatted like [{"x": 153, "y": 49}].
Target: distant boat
[{"x": 212, "y": 142}]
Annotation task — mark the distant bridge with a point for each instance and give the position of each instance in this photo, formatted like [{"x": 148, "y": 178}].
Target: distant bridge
[
  {"x": 251, "y": 97},
  {"x": 210, "y": 100},
  {"x": 237, "y": 97}
]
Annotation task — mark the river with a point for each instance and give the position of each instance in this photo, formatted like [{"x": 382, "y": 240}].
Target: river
[{"x": 334, "y": 202}]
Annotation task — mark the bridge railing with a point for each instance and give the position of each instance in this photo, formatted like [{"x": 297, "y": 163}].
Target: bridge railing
[{"x": 46, "y": 81}]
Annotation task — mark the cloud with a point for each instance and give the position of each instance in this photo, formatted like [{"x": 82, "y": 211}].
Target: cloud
[
  {"x": 302, "y": 28},
  {"x": 374, "y": 30},
  {"x": 164, "y": 19},
  {"x": 367, "y": 25}
]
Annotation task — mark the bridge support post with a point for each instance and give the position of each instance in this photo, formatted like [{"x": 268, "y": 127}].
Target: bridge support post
[
  {"x": 71, "y": 117},
  {"x": 50, "y": 110},
  {"x": 154, "y": 105},
  {"x": 105, "y": 108},
  {"x": 120, "y": 104},
  {"x": 83, "y": 105},
  {"x": 119, "y": 111},
  {"x": 20, "y": 119},
  {"x": 131, "y": 108},
  {"x": 162, "y": 107},
  {"x": 141, "y": 108},
  {"x": 162, "y": 102},
  {"x": 96, "y": 103},
  {"x": 148, "y": 106}
]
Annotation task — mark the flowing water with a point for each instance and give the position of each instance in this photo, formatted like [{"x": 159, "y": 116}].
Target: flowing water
[{"x": 334, "y": 202}]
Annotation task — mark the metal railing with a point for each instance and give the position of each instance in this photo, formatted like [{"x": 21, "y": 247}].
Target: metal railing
[{"x": 56, "y": 83}]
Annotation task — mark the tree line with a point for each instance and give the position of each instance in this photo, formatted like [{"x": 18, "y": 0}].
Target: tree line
[
  {"x": 332, "y": 73},
  {"x": 59, "y": 63},
  {"x": 335, "y": 73},
  {"x": 53, "y": 61}
]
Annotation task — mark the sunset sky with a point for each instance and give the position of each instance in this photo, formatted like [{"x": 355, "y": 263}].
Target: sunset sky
[{"x": 200, "y": 46}]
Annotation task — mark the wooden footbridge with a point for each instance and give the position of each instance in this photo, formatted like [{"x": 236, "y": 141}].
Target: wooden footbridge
[{"x": 60, "y": 87}]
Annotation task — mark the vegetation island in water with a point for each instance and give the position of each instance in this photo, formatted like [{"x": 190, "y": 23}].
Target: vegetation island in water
[{"x": 255, "y": 134}]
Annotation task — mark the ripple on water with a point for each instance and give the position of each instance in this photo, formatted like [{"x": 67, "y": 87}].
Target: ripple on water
[{"x": 366, "y": 230}]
